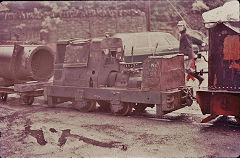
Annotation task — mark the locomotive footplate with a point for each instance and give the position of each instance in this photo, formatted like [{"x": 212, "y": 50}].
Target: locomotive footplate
[{"x": 165, "y": 101}]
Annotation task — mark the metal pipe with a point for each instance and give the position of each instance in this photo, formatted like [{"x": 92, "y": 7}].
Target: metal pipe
[{"x": 26, "y": 62}]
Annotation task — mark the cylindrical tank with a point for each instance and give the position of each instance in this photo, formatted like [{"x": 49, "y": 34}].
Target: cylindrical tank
[{"x": 26, "y": 62}]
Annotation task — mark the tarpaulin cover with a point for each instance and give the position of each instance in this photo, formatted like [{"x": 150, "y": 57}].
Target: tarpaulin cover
[{"x": 229, "y": 12}]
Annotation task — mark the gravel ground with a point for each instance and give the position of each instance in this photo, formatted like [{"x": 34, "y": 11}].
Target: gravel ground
[{"x": 38, "y": 131}]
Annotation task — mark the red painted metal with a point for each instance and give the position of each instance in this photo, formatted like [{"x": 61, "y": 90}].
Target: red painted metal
[
  {"x": 192, "y": 66},
  {"x": 225, "y": 104},
  {"x": 218, "y": 103},
  {"x": 203, "y": 99},
  {"x": 237, "y": 119}
]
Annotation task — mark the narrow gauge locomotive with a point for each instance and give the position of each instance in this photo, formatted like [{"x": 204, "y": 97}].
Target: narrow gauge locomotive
[
  {"x": 87, "y": 72},
  {"x": 222, "y": 96}
]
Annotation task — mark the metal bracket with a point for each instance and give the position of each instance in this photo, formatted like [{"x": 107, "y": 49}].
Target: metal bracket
[
  {"x": 116, "y": 102},
  {"x": 115, "y": 98},
  {"x": 79, "y": 95}
]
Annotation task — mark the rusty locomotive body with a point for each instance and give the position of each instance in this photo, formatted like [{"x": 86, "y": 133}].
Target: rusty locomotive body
[
  {"x": 93, "y": 71},
  {"x": 222, "y": 96}
]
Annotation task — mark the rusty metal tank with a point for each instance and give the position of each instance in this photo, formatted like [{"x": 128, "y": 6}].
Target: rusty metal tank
[{"x": 26, "y": 62}]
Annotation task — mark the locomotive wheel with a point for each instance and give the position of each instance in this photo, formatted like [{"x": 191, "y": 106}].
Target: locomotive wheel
[
  {"x": 90, "y": 106},
  {"x": 28, "y": 100},
  {"x": 126, "y": 109},
  {"x": 139, "y": 108},
  {"x": 3, "y": 97},
  {"x": 85, "y": 106},
  {"x": 104, "y": 106}
]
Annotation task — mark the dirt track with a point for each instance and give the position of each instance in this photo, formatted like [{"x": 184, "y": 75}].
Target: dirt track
[{"x": 63, "y": 132}]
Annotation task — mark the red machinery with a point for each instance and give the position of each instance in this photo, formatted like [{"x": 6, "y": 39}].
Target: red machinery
[{"x": 222, "y": 97}]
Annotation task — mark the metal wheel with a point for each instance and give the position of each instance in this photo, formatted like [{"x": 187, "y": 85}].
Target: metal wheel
[
  {"x": 85, "y": 106},
  {"x": 90, "y": 106},
  {"x": 104, "y": 106},
  {"x": 140, "y": 108},
  {"x": 122, "y": 109},
  {"x": 28, "y": 100},
  {"x": 3, "y": 97}
]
